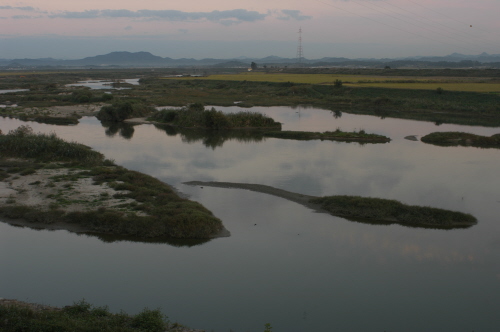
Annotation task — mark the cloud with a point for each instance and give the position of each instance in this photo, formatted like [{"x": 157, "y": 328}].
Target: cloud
[
  {"x": 84, "y": 14},
  {"x": 128, "y": 27},
  {"x": 287, "y": 14},
  {"x": 23, "y": 17},
  {"x": 26, "y": 8},
  {"x": 225, "y": 17}
]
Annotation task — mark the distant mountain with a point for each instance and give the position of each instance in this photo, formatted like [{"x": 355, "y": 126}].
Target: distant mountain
[{"x": 146, "y": 59}]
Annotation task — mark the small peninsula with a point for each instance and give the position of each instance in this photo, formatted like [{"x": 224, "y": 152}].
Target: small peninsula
[
  {"x": 454, "y": 138},
  {"x": 338, "y": 135},
  {"x": 362, "y": 209},
  {"x": 46, "y": 182}
]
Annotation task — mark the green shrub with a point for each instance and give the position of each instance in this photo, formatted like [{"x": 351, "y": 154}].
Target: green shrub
[
  {"x": 122, "y": 110},
  {"x": 149, "y": 320}
]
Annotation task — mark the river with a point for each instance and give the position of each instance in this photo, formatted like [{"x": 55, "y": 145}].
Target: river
[{"x": 283, "y": 263}]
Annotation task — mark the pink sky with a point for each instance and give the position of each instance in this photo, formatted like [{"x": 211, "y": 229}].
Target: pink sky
[{"x": 349, "y": 28}]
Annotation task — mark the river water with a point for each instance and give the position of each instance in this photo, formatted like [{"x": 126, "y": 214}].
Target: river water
[{"x": 283, "y": 263}]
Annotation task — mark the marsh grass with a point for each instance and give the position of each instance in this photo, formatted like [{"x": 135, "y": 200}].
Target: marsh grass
[
  {"x": 463, "y": 139},
  {"x": 24, "y": 143},
  {"x": 469, "y": 108},
  {"x": 81, "y": 316},
  {"x": 392, "y": 211}
]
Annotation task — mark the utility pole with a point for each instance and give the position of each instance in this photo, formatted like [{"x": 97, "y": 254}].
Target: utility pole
[{"x": 300, "y": 54}]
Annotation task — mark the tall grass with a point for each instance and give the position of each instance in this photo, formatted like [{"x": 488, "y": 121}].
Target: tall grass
[{"x": 24, "y": 143}]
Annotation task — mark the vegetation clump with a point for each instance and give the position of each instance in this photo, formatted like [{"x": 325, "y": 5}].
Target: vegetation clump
[
  {"x": 23, "y": 143},
  {"x": 454, "y": 138},
  {"x": 392, "y": 211},
  {"x": 81, "y": 316},
  {"x": 338, "y": 135},
  {"x": 194, "y": 117}
]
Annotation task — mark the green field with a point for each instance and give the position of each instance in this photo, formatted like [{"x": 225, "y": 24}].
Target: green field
[{"x": 420, "y": 83}]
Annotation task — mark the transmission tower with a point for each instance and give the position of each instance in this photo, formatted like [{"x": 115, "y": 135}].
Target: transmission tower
[{"x": 300, "y": 54}]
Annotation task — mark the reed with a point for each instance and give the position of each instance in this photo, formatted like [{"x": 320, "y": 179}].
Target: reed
[
  {"x": 24, "y": 143},
  {"x": 81, "y": 316}
]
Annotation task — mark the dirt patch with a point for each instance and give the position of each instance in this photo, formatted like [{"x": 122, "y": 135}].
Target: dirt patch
[
  {"x": 64, "y": 111},
  {"x": 62, "y": 187}
]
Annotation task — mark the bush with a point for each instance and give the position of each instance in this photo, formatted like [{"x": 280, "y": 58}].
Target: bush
[
  {"x": 149, "y": 320},
  {"x": 81, "y": 96},
  {"x": 122, "y": 110}
]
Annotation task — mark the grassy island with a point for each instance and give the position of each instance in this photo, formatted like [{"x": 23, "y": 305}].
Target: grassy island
[
  {"x": 46, "y": 181},
  {"x": 392, "y": 211},
  {"x": 195, "y": 116},
  {"x": 337, "y": 135},
  {"x": 453, "y": 138},
  {"x": 81, "y": 316},
  {"x": 362, "y": 209}
]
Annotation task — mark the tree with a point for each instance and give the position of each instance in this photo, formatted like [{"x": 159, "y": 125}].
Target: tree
[{"x": 253, "y": 65}]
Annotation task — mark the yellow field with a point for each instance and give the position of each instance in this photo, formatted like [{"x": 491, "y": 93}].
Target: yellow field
[
  {"x": 425, "y": 83},
  {"x": 295, "y": 78}
]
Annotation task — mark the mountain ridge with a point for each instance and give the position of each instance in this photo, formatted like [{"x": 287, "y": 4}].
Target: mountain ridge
[{"x": 147, "y": 59}]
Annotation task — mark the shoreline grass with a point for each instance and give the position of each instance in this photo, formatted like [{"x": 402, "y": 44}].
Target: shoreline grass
[{"x": 81, "y": 316}]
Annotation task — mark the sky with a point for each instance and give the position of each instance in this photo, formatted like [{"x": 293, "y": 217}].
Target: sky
[{"x": 74, "y": 29}]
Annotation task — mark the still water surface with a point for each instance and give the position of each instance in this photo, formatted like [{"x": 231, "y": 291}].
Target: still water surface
[{"x": 285, "y": 264}]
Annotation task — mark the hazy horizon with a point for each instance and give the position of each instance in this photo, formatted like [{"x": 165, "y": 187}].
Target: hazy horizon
[{"x": 221, "y": 29}]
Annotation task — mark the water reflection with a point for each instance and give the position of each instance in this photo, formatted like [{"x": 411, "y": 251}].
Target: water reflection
[
  {"x": 165, "y": 240},
  {"x": 212, "y": 138},
  {"x": 109, "y": 238},
  {"x": 125, "y": 130}
]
